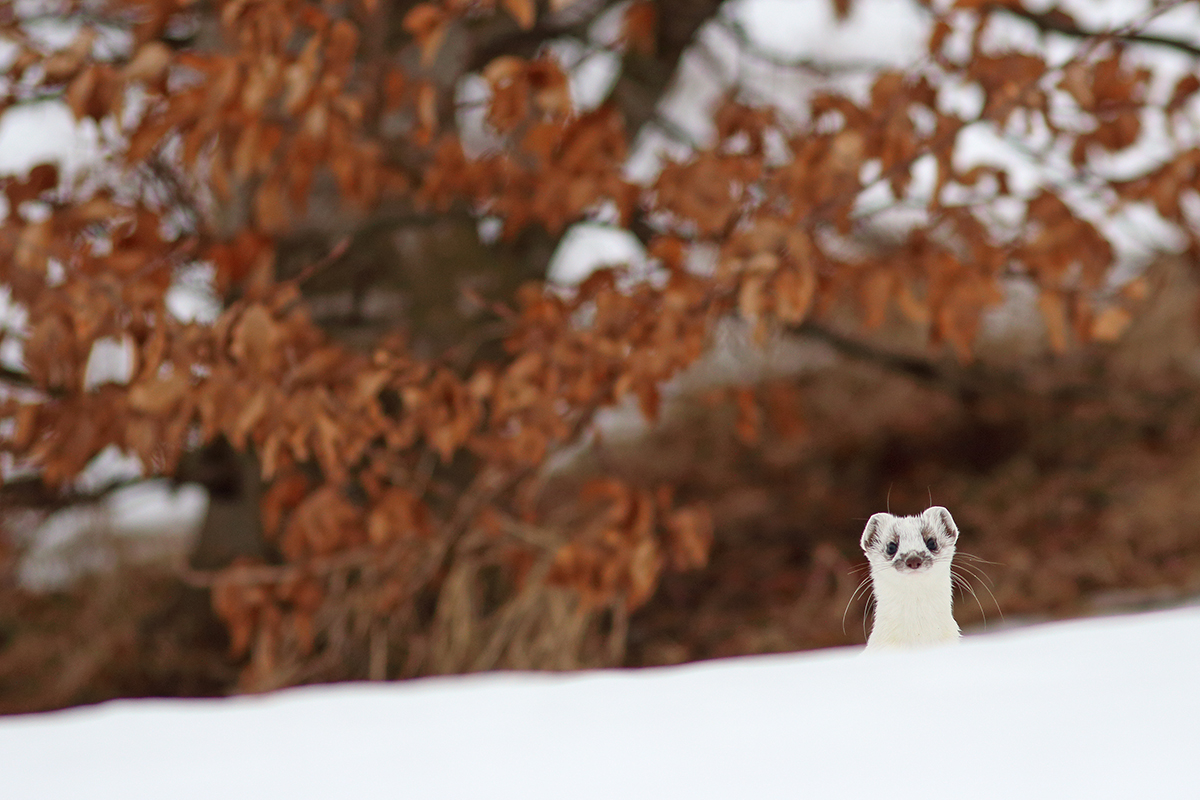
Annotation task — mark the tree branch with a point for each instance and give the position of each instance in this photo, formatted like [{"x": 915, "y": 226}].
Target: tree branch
[{"x": 1057, "y": 21}]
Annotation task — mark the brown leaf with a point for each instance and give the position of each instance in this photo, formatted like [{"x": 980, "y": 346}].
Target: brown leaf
[
  {"x": 875, "y": 291},
  {"x": 80, "y": 91},
  {"x": 328, "y": 449},
  {"x": 65, "y": 63},
  {"x": 1054, "y": 312},
  {"x": 244, "y": 162},
  {"x": 640, "y": 29},
  {"x": 26, "y": 427},
  {"x": 523, "y": 11},
  {"x": 795, "y": 289},
  {"x": 149, "y": 64},
  {"x": 690, "y": 534},
  {"x": 33, "y": 246},
  {"x": 255, "y": 339},
  {"x": 158, "y": 395},
  {"x": 644, "y": 570},
  {"x": 42, "y": 178},
  {"x": 752, "y": 298},
  {"x": 427, "y": 106},
  {"x": 427, "y": 22},
  {"x": 1187, "y": 86},
  {"x": 1110, "y": 324},
  {"x": 748, "y": 425},
  {"x": 271, "y": 212},
  {"x": 248, "y": 417},
  {"x": 342, "y": 44},
  {"x": 914, "y": 309}
]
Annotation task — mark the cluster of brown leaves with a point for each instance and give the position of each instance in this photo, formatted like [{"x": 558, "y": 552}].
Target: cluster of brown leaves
[
  {"x": 623, "y": 554},
  {"x": 365, "y": 452}
]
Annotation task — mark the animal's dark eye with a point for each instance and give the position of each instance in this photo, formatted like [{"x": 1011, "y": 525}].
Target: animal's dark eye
[
  {"x": 891, "y": 548},
  {"x": 931, "y": 544}
]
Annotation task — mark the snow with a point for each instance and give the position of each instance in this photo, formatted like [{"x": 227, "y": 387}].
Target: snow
[
  {"x": 45, "y": 132},
  {"x": 145, "y": 522},
  {"x": 588, "y": 246},
  {"x": 1104, "y": 708}
]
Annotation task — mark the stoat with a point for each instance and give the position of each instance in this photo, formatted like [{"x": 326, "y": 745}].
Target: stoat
[{"x": 910, "y": 577}]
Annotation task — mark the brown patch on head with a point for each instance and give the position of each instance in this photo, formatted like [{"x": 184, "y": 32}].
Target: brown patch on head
[
  {"x": 872, "y": 534},
  {"x": 939, "y": 518}
]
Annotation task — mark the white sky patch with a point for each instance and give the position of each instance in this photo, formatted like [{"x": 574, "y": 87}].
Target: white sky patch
[
  {"x": 50, "y": 34},
  {"x": 651, "y": 148},
  {"x": 1181, "y": 22},
  {"x": 607, "y": 28},
  {"x": 591, "y": 71},
  {"x": 12, "y": 353},
  {"x": 1138, "y": 234},
  {"x": 9, "y": 50},
  {"x": 111, "y": 361},
  {"x": 588, "y": 246},
  {"x": 1104, "y": 14},
  {"x": 489, "y": 228},
  {"x": 1003, "y": 33},
  {"x": 472, "y": 95},
  {"x": 877, "y": 31},
  {"x": 191, "y": 297},
  {"x": 981, "y": 143},
  {"x": 699, "y": 82},
  {"x": 14, "y": 324}
]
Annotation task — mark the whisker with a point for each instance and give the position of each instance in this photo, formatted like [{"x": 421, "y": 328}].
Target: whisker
[
  {"x": 984, "y": 585},
  {"x": 976, "y": 573},
  {"x": 966, "y": 585},
  {"x": 865, "y": 582},
  {"x": 979, "y": 560}
]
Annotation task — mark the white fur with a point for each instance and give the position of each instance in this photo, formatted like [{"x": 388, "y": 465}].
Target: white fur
[{"x": 913, "y": 608}]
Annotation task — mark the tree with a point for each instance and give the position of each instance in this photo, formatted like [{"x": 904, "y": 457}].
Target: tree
[{"x": 398, "y": 381}]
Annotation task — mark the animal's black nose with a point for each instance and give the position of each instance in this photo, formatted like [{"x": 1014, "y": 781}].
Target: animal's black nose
[{"x": 913, "y": 562}]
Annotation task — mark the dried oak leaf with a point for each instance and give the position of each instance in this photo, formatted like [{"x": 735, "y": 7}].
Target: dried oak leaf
[
  {"x": 1110, "y": 324},
  {"x": 42, "y": 178},
  {"x": 645, "y": 568},
  {"x": 639, "y": 29},
  {"x": 397, "y": 514},
  {"x": 1054, "y": 312},
  {"x": 157, "y": 396},
  {"x": 427, "y": 23},
  {"x": 66, "y": 62},
  {"x": 689, "y": 536},
  {"x": 256, "y": 339},
  {"x": 149, "y": 64},
  {"x": 523, "y": 11}
]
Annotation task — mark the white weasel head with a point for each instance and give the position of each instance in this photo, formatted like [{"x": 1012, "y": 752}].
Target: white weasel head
[{"x": 910, "y": 545}]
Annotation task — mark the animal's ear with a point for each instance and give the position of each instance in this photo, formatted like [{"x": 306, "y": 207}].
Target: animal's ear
[
  {"x": 874, "y": 530},
  {"x": 940, "y": 519}
]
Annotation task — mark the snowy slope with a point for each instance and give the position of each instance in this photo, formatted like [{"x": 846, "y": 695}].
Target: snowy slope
[{"x": 1107, "y": 708}]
